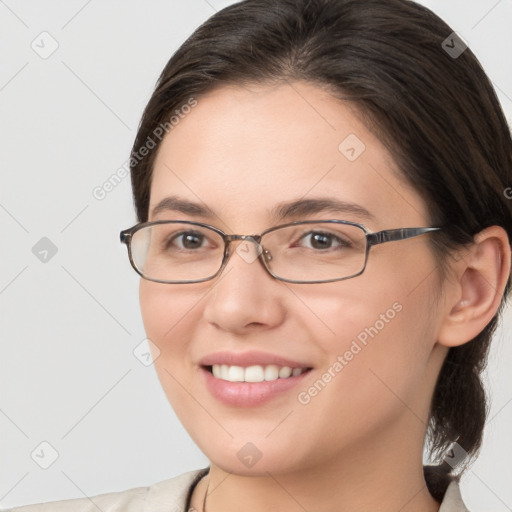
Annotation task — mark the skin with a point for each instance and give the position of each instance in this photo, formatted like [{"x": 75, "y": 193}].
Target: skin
[{"x": 357, "y": 445}]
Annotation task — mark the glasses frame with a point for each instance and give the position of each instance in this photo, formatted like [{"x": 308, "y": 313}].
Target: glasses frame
[{"x": 372, "y": 239}]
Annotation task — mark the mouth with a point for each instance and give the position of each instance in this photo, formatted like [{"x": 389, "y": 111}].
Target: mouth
[
  {"x": 251, "y": 386},
  {"x": 254, "y": 373}
]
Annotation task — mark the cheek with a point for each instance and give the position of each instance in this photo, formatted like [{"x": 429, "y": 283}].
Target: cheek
[
  {"x": 169, "y": 315},
  {"x": 156, "y": 314},
  {"x": 379, "y": 336},
  {"x": 373, "y": 378},
  {"x": 168, "y": 311}
]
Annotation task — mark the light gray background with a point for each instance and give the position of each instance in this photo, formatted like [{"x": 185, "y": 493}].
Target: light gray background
[{"x": 69, "y": 326}]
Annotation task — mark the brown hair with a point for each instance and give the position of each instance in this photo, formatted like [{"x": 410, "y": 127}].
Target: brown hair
[{"x": 436, "y": 112}]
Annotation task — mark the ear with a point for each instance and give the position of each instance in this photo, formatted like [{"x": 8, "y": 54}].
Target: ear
[{"x": 473, "y": 298}]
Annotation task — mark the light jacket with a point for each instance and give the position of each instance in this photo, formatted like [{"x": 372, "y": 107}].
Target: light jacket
[{"x": 173, "y": 495}]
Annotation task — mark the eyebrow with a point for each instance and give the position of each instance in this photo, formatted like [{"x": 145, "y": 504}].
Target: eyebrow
[
  {"x": 304, "y": 207},
  {"x": 281, "y": 212}
]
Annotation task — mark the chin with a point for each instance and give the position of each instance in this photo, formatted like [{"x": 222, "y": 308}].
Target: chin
[
  {"x": 259, "y": 469},
  {"x": 257, "y": 458}
]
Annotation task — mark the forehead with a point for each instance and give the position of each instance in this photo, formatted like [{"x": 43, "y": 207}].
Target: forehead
[{"x": 243, "y": 150}]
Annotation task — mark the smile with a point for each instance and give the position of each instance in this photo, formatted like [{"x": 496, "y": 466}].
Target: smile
[
  {"x": 254, "y": 373},
  {"x": 247, "y": 393}
]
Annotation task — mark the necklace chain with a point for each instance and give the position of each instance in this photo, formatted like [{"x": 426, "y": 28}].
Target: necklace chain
[{"x": 206, "y": 494}]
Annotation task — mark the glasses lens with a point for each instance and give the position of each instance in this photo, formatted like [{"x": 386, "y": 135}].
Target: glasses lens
[
  {"x": 315, "y": 251},
  {"x": 177, "y": 252}
]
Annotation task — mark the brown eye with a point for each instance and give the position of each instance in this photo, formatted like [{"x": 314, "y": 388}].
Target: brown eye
[
  {"x": 188, "y": 240},
  {"x": 322, "y": 240}
]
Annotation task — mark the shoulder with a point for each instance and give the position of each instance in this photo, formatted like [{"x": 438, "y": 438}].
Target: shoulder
[
  {"x": 155, "y": 498},
  {"x": 452, "y": 501}
]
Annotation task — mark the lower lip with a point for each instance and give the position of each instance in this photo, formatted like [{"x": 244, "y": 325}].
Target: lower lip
[{"x": 249, "y": 394}]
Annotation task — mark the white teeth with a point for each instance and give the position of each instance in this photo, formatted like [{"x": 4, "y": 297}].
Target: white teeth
[
  {"x": 284, "y": 372},
  {"x": 271, "y": 372},
  {"x": 236, "y": 374},
  {"x": 216, "y": 371},
  {"x": 255, "y": 373}
]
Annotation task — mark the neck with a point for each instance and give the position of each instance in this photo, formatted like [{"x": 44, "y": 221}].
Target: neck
[{"x": 368, "y": 478}]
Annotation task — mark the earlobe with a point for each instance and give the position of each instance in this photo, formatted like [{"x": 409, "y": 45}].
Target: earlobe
[{"x": 477, "y": 293}]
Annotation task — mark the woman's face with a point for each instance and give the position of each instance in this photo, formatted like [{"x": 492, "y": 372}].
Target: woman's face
[{"x": 369, "y": 341}]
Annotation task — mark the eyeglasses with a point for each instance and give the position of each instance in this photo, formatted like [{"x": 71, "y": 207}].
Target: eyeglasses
[{"x": 172, "y": 251}]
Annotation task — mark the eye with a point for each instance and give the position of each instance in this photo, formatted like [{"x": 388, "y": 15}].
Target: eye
[
  {"x": 322, "y": 240},
  {"x": 188, "y": 240}
]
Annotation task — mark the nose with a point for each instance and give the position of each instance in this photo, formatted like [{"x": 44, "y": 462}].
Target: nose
[{"x": 244, "y": 297}]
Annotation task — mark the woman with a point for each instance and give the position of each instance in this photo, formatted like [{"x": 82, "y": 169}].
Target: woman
[{"x": 308, "y": 342}]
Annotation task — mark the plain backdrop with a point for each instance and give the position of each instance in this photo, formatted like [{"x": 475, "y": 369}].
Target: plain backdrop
[{"x": 75, "y": 77}]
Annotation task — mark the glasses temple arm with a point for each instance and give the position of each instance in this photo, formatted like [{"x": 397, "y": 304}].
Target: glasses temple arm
[{"x": 390, "y": 235}]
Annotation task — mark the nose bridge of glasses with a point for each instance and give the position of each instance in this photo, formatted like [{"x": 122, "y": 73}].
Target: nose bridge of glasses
[
  {"x": 252, "y": 238},
  {"x": 243, "y": 239},
  {"x": 249, "y": 249}
]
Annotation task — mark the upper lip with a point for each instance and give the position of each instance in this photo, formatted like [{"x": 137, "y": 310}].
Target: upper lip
[{"x": 249, "y": 359}]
